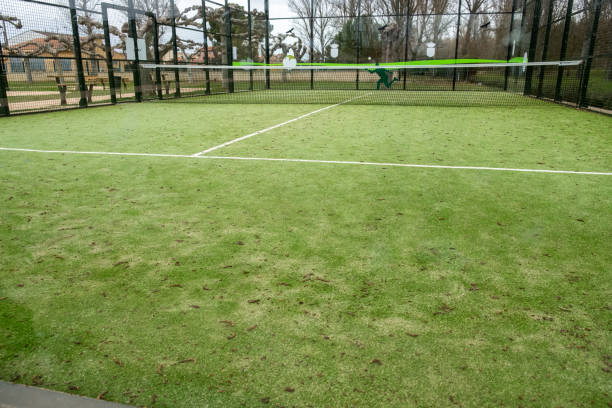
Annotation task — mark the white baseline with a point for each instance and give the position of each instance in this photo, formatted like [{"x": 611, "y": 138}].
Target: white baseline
[
  {"x": 259, "y": 132},
  {"x": 359, "y": 163}
]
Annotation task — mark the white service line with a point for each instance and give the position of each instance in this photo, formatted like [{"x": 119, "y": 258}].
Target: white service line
[
  {"x": 360, "y": 163},
  {"x": 259, "y": 132}
]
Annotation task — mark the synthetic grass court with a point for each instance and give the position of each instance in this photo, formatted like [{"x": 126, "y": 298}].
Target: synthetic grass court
[{"x": 177, "y": 281}]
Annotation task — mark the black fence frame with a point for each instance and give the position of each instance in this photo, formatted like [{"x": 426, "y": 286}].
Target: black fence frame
[{"x": 132, "y": 13}]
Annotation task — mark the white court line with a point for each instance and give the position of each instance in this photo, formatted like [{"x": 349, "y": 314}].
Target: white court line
[
  {"x": 259, "y": 132},
  {"x": 360, "y": 163}
]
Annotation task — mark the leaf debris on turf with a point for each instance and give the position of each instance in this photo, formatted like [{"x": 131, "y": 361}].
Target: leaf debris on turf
[
  {"x": 101, "y": 395},
  {"x": 231, "y": 336},
  {"x": 412, "y": 334},
  {"x": 228, "y": 323},
  {"x": 265, "y": 400},
  {"x": 251, "y": 328},
  {"x": 253, "y": 300},
  {"x": 289, "y": 389},
  {"x": 118, "y": 362},
  {"x": 194, "y": 306},
  {"x": 376, "y": 361},
  {"x": 175, "y": 285}
]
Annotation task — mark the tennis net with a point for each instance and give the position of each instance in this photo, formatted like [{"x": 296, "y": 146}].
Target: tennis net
[{"x": 498, "y": 84}]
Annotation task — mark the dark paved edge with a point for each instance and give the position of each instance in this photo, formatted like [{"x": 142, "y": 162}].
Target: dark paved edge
[{"x": 23, "y": 396}]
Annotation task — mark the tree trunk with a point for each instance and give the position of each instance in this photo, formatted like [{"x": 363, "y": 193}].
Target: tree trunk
[{"x": 27, "y": 69}]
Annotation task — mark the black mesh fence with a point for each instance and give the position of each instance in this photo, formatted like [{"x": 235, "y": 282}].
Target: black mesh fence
[{"x": 42, "y": 68}]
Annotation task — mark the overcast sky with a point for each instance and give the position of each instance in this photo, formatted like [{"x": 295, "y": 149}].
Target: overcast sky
[{"x": 54, "y": 19}]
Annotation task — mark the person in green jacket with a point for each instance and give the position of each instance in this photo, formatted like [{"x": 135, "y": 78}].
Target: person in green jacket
[{"x": 386, "y": 77}]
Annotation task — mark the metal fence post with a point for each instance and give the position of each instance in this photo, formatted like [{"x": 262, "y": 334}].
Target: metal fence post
[
  {"x": 406, "y": 46},
  {"x": 76, "y": 40},
  {"x": 177, "y": 78},
  {"x": 228, "y": 47},
  {"x": 158, "y": 80},
  {"x": 311, "y": 51},
  {"x": 205, "y": 32},
  {"x": 134, "y": 34},
  {"x": 109, "y": 55},
  {"x": 589, "y": 58},
  {"x": 4, "y": 106},
  {"x": 457, "y": 44},
  {"x": 533, "y": 43},
  {"x": 250, "y": 35},
  {"x": 267, "y": 43},
  {"x": 358, "y": 51},
  {"x": 510, "y": 45},
  {"x": 549, "y": 17},
  {"x": 566, "y": 28}
]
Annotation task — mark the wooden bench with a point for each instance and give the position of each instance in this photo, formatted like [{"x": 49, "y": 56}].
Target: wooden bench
[{"x": 90, "y": 82}]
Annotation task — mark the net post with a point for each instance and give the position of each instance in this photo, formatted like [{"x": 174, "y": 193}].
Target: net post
[
  {"x": 311, "y": 51},
  {"x": 562, "y": 54},
  {"x": 549, "y": 17},
  {"x": 267, "y": 42},
  {"x": 76, "y": 42},
  {"x": 158, "y": 80},
  {"x": 134, "y": 34},
  {"x": 228, "y": 47},
  {"x": 407, "y": 39},
  {"x": 4, "y": 106},
  {"x": 177, "y": 78},
  {"x": 205, "y": 33},
  {"x": 510, "y": 45},
  {"x": 533, "y": 43},
  {"x": 358, "y": 53},
  {"x": 523, "y": 17},
  {"x": 457, "y": 44},
  {"x": 109, "y": 55},
  {"x": 250, "y": 34},
  {"x": 589, "y": 57}
]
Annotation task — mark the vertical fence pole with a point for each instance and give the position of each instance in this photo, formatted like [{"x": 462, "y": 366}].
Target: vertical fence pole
[
  {"x": 358, "y": 51},
  {"x": 510, "y": 45},
  {"x": 205, "y": 32},
  {"x": 158, "y": 80},
  {"x": 311, "y": 51},
  {"x": 228, "y": 47},
  {"x": 457, "y": 44},
  {"x": 134, "y": 34},
  {"x": 582, "y": 102},
  {"x": 563, "y": 53},
  {"x": 177, "y": 78},
  {"x": 533, "y": 44},
  {"x": 520, "y": 42},
  {"x": 250, "y": 45},
  {"x": 267, "y": 42},
  {"x": 109, "y": 55},
  {"x": 76, "y": 40},
  {"x": 549, "y": 17},
  {"x": 4, "y": 106},
  {"x": 407, "y": 40}
]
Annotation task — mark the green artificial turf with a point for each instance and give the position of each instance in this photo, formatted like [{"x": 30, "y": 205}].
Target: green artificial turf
[{"x": 186, "y": 282}]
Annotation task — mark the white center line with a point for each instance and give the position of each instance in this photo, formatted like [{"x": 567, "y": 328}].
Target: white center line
[
  {"x": 270, "y": 159},
  {"x": 259, "y": 132}
]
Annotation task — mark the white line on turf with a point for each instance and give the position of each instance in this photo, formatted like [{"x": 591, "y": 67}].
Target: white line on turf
[
  {"x": 259, "y": 132},
  {"x": 360, "y": 163}
]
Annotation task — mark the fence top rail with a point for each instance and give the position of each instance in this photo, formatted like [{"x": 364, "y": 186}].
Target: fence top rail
[{"x": 364, "y": 67}]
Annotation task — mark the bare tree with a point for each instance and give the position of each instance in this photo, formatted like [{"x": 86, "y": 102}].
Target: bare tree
[{"x": 324, "y": 29}]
